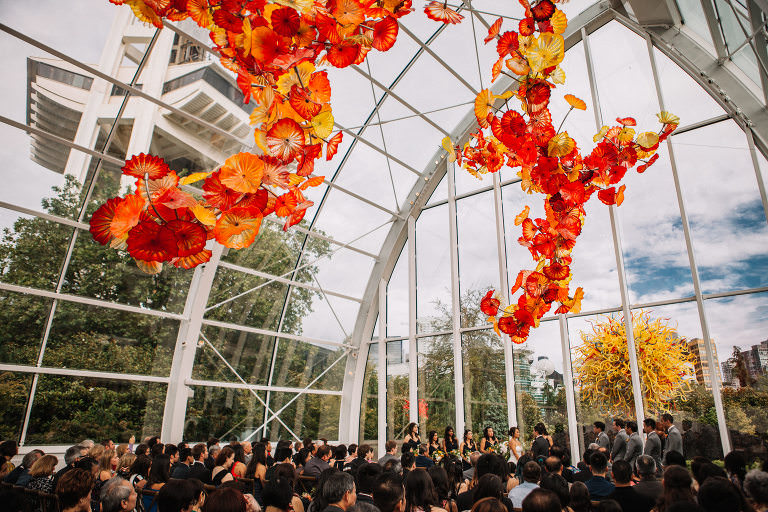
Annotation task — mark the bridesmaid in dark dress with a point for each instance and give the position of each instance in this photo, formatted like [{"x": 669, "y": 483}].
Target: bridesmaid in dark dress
[
  {"x": 450, "y": 442},
  {"x": 412, "y": 439},
  {"x": 468, "y": 447},
  {"x": 434, "y": 442}
]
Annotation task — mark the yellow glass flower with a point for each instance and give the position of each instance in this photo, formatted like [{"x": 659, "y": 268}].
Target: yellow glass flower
[{"x": 547, "y": 51}]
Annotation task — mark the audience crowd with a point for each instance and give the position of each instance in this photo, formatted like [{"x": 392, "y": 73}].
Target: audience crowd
[{"x": 616, "y": 475}]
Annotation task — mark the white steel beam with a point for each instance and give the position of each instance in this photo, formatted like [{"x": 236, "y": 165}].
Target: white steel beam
[
  {"x": 453, "y": 237},
  {"x": 84, "y": 374},
  {"x": 267, "y": 332},
  {"x": 381, "y": 372},
  {"x": 413, "y": 369},
  {"x": 570, "y": 394},
  {"x": 259, "y": 387}
]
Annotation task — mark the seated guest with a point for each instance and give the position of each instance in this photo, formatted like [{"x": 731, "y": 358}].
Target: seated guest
[
  {"x": 221, "y": 472},
  {"x": 420, "y": 494},
  {"x": 319, "y": 462},
  {"x": 489, "y": 505},
  {"x": 20, "y": 474},
  {"x": 756, "y": 489},
  {"x": 365, "y": 481},
  {"x": 198, "y": 469},
  {"x": 213, "y": 452},
  {"x": 338, "y": 490},
  {"x": 71, "y": 456},
  {"x": 391, "y": 449},
  {"x": 565, "y": 462},
  {"x": 282, "y": 456},
  {"x": 531, "y": 476},
  {"x": 8, "y": 450},
  {"x": 487, "y": 463},
  {"x": 541, "y": 500},
  {"x": 556, "y": 483},
  {"x": 124, "y": 465},
  {"x": 140, "y": 471},
  {"x": 364, "y": 456},
  {"x": 393, "y": 466},
  {"x": 256, "y": 470},
  {"x": 584, "y": 472},
  {"x": 227, "y": 499},
  {"x": 608, "y": 506},
  {"x": 491, "y": 486},
  {"x": 579, "y": 498},
  {"x": 389, "y": 495},
  {"x": 159, "y": 475},
  {"x": 422, "y": 459},
  {"x": 301, "y": 458},
  {"x": 277, "y": 495},
  {"x": 470, "y": 472},
  {"x": 599, "y": 486},
  {"x": 677, "y": 488},
  {"x": 117, "y": 495},
  {"x": 41, "y": 474},
  {"x": 351, "y": 453},
  {"x": 181, "y": 469},
  {"x": 675, "y": 458},
  {"x": 287, "y": 473},
  {"x": 718, "y": 494},
  {"x": 408, "y": 461},
  {"x": 439, "y": 477},
  {"x": 339, "y": 456},
  {"x": 629, "y": 499},
  {"x": 238, "y": 466},
  {"x": 74, "y": 490},
  {"x": 648, "y": 486}
]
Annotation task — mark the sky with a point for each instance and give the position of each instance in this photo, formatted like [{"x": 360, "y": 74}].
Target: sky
[{"x": 729, "y": 231}]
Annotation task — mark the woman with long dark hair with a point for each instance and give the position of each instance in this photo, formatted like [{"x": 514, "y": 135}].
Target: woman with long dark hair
[
  {"x": 224, "y": 461},
  {"x": 450, "y": 442},
  {"x": 433, "y": 442},
  {"x": 412, "y": 440},
  {"x": 489, "y": 440},
  {"x": 468, "y": 446},
  {"x": 515, "y": 445},
  {"x": 677, "y": 487},
  {"x": 455, "y": 472},
  {"x": 420, "y": 493},
  {"x": 580, "y": 500},
  {"x": 443, "y": 488},
  {"x": 736, "y": 467},
  {"x": 257, "y": 470}
]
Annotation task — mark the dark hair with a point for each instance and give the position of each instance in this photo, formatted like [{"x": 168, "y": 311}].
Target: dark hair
[
  {"x": 185, "y": 453},
  {"x": 492, "y": 463},
  {"x": 363, "y": 450},
  {"x": 278, "y": 493},
  {"x": 9, "y": 449},
  {"x": 600, "y": 425},
  {"x": 485, "y": 432},
  {"x": 619, "y": 422},
  {"x": 419, "y": 492},
  {"x": 540, "y": 428},
  {"x": 282, "y": 453},
  {"x": 553, "y": 464},
  {"x": 142, "y": 449},
  {"x": 632, "y": 425},
  {"x": 300, "y": 457},
  {"x": 736, "y": 464},
  {"x": 73, "y": 486},
  {"x": 407, "y": 460},
  {"x": 390, "y": 445},
  {"x": 557, "y": 484},
  {"x": 446, "y": 436},
  {"x": 466, "y": 433},
  {"x": 580, "y": 499},
  {"x": 588, "y": 455},
  {"x": 86, "y": 463},
  {"x": 212, "y": 441},
  {"x": 667, "y": 417},
  {"x": 258, "y": 456},
  {"x": 677, "y": 487},
  {"x": 531, "y": 471},
  {"x": 198, "y": 450},
  {"x": 286, "y": 472},
  {"x": 225, "y": 499},
  {"x": 141, "y": 466},
  {"x": 708, "y": 470},
  {"x": 422, "y": 449},
  {"x": 410, "y": 427},
  {"x": 432, "y": 433},
  {"x": 239, "y": 452},
  {"x": 351, "y": 449},
  {"x": 598, "y": 462},
  {"x": 608, "y": 506},
  {"x": 454, "y": 473},
  {"x": 223, "y": 455},
  {"x": 622, "y": 472},
  {"x": 323, "y": 451},
  {"x": 675, "y": 458},
  {"x": 489, "y": 505},
  {"x": 170, "y": 449},
  {"x": 488, "y": 486},
  {"x": 718, "y": 494},
  {"x": 650, "y": 422},
  {"x": 388, "y": 492},
  {"x": 308, "y": 442},
  {"x": 176, "y": 495},
  {"x": 340, "y": 452},
  {"x": 684, "y": 506},
  {"x": 542, "y": 500},
  {"x": 512, "y": 431},
  {"x": 645, "y": 465},
  {"x": 365, "y": 478},
  {"x": 336, "y": 485},
  {"x": 440, "y": 480},
  {"x": 160, "y": 471},
  {"x": 156, "y": 449}
]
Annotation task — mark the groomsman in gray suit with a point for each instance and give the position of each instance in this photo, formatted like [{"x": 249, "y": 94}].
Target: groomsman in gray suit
[
  {"x": 674, "y": 437},
  {"x": 619, "y": 450},
  {"x": 652, "y": 442},
  {"x": 602, "y": 439},
  {"x": 634, "y": 444}
]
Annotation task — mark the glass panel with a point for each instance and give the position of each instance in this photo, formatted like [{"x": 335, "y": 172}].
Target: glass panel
[
  {"x": 314, "y": 416},
  {"x": 539, "y": 384},
  {"x": 397, "y": 389},
  {"x": 695, "y": 19},
  {"x": 478, "y": 255},
  {"x": 345, "y": 218},
  {"x": 682, "y": 95},
  {"x": 436, "y": 390},
  {"x": 260, "y": 308},
  {"x": 14, "y": 392},
  {"x": 485, "y": 391},
  {"x": 93, "y": 338},
  {"x": 728, "y": 226},
  {"x": 69, "y": 409},
  {"x": 655, "y": 255},
  {"x": 433, "y": 268},
  {"x": 103, "y": 273},
  {"x": 274, "y": 251},
  {"x": 345, "y": 272},
  {"x": 738, "y": 327},
  {"x": 326, "y": 318},
  {"x": 297, "y": 364},
  {"x": 398, "y": 297},
  {"x": 223, "y": 413},
  {"x": 250, "y": 354},
  {"x": 369, "y": 405},
  {"x": 32, "y": 250},
  {"x": 441, "y": 192},
  {"x": 23, "y": 318}
]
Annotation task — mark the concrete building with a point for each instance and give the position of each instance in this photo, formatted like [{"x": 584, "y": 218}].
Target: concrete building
[{"x": 701, "y": 363}]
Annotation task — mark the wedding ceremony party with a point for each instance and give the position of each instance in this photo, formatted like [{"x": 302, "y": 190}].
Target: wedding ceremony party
[{"x": 384, "y": 256}]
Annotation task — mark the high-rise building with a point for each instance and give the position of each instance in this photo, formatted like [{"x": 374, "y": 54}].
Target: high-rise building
[{"x": 696, "y": 347}]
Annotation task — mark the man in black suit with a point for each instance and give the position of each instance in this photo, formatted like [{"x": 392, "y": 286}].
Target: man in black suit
[
  {"x": 365, "y": 482},
  {"x": 198, "y": 469},
  {"x": 540, "y": 447},
  {"x": 181, "y": 470}
]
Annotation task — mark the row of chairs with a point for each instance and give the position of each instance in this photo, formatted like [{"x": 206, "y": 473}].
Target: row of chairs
[{"x": 15, "y": 498}]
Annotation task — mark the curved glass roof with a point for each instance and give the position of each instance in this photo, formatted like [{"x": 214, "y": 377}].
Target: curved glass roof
[{"x": 284, "y": 338}]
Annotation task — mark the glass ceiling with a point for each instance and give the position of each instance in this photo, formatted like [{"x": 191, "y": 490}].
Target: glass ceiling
[{"x": 284, "y": 327}]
